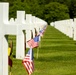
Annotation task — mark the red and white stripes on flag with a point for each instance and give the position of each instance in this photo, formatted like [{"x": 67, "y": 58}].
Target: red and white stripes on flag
[
  {"x": 28, "y": 62},
  {"x": 33, "y": 42}
]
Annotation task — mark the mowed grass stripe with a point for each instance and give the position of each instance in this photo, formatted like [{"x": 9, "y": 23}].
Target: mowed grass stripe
[{"x": 57, "y": 55}]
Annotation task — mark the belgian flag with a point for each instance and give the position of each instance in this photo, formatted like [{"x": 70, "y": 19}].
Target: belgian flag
[{"x": 10, "y": 50}]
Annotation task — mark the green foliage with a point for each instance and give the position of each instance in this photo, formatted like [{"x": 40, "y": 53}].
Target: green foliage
[
  {"x": 55, "y": 11},
  {"x": 72, "y": 8},
  {"x": 18, "y": 5},
  {"x": 40, "y": 9}
]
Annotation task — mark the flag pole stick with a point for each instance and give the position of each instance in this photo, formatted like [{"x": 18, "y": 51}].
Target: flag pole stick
[
  {"x": 10, "y": 71},
  {"x": 39, "y": 46},
  {"x": 40, "y": 42},
  {"x": 11, "y": 46},
  {"x": 37, "y": 52}
]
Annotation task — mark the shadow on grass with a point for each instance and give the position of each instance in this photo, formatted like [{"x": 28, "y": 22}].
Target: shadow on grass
[
  {"x": 71, "y": 74},
  {"x": 59, "y": 48},
  {"x": 14, "y": 56},
  {"x": 57, "y": 59},
  {"x": 55, "y": 38}
]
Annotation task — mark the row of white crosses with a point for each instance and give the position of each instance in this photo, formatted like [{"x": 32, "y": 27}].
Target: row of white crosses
[
  {"x": 67, "y": 27},
  {"x": 21, "y": 25}
]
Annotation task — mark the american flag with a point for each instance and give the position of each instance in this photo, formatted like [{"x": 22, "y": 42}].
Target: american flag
[
  {"x": 33, "y": 42},
  {"x": 28, "y": 62},
  {"x": 41, "y": 32}
]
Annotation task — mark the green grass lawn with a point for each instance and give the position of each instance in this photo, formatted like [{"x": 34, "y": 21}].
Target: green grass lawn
[{"x": 57, "y": 55}]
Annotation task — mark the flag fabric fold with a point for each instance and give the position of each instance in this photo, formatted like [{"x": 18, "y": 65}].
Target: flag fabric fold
[
  {"x": 33, "y": 42},
  {"x": 10, "y": 61},
  {"x": 28, "y": 62},
  {"x": 41, "y": 32}
]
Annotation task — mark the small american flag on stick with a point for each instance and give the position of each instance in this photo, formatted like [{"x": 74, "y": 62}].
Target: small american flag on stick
[
  {"x": 28, "y": 62},
  {"x": 33, "y": 42}
]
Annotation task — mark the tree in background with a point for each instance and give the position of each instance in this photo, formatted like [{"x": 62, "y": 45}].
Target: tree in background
[
  {"x": 72, "y": 9},
  {"x": 18, "y": 5},
  {"x": 55, "y": 11},
  {"x": 49, "y": 10}
]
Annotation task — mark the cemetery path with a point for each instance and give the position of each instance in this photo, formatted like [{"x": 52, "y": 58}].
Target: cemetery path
[{"x": 57, "y": 55}]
